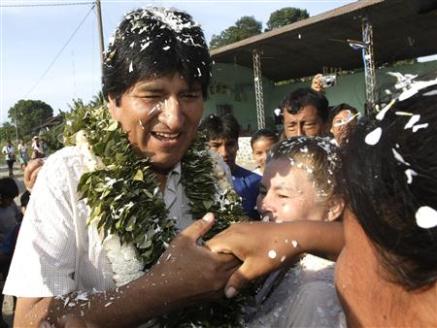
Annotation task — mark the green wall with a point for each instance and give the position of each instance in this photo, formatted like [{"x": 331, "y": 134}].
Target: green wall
[{"x": 232, "y": 85}]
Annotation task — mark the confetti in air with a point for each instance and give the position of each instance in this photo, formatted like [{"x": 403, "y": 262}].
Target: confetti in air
[
  {"x": 272, "y": 254},
  {"x": 410, "y": 174},
  {"x": 419, "y": 126},
  {"x": 294, "y": 243},
  {"x": 373, "y": 137},
  {"x": 426, "y": 217},
  {"x": 399, "y": 158},
  {"x": 413, "y": 120},
  {"x": 131, "y": 68}
]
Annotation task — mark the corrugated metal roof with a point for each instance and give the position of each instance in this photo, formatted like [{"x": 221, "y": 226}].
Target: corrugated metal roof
[{"x": 402, "y": 29}]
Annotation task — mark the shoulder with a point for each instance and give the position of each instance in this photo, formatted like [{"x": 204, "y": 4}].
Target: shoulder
[{"x": 241, "y": 172}]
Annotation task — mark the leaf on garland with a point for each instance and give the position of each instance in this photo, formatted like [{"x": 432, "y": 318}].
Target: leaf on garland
[{"x": 139, "y": 176}]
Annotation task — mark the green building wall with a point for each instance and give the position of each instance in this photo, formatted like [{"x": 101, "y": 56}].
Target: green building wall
[{"x": 232, "y": 90}]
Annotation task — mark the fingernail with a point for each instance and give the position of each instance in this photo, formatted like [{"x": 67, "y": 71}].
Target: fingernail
[
  {"x": 230, "y": 292},
  {"x": 208, "y": 217}
]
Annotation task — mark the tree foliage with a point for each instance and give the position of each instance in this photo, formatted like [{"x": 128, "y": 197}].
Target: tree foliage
[
  {"x": 28, "y": 114},
  {"x": 7, "y": 132},
  {"x": 285, "y": 16},
  {"x": 245, "y": 27}
]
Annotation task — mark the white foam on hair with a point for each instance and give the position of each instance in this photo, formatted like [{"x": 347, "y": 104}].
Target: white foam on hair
[
  {"x": 426, "y": 217},
  {"x": 372, "y": 138}
]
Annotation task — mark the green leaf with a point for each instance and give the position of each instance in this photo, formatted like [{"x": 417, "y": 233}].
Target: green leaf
[{"x": 139, "y": 176}]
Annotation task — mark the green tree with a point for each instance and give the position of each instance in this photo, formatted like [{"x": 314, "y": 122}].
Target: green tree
[
  {"x": 285, "y": 16},
  {"x": 7, "y": 132},
  {"x": 245, "y": 27},
  {"x": 28, "y": 114}
]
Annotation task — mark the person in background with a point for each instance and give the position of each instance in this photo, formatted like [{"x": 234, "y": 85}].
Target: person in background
[
  {"x": 10, "y": 215},
  {"x": 9, "y": 152},
  {"x": 23, "y": 154},
  {"x": 305, "y": 113},
  {"x": 37, "y": 148},
  {"x": 317, "y": 84},
  {"x": 222, "y": 134},
  {"x": 342, "y": 119},
  {"x": 261, "y": 142},
  {"x": 300, "y": 182}
]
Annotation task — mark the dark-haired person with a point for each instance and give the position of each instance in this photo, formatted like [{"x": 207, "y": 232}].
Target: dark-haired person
[
  {"x": 155, "y": 79},
  {"x": 305, "y": 113},
  {"x": 222, "y": 134},
  {"x": 386, "y": 273},
  {"x": 342, "y": 119},
  {"x": 261, "y": 142},
  {"x": 9, "y": 152}
]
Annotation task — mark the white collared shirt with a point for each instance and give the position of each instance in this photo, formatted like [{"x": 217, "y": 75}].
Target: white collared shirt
[{"x": 57, "y": 252}]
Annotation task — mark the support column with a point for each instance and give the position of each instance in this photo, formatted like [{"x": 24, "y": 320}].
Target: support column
[
  {"x": 369, "y": 66},
  {"x": 258, "y": 83}
]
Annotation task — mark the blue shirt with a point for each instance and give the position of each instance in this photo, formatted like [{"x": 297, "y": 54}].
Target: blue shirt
[{"x": 246, "y": 184}]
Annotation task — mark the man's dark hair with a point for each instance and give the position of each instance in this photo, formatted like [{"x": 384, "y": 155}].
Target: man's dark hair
[
  {"x": 264, "y": 133},
  {"x": 387, "y": 182},
  {"x": 152, "y": 43},
  {"x": 297, "y": 99},
  {"x": 216, "y": 127},
  {"x": 337, "y": 109},
  {"x": 8, "y": 188}
]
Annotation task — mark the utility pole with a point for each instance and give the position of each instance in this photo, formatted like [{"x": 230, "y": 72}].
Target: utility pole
[{"x": 100, "y": 27}]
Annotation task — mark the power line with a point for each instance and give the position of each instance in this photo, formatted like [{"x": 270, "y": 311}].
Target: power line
[
  {"x": 48, "y": 4},
  {"x": 59, "y": 53}
]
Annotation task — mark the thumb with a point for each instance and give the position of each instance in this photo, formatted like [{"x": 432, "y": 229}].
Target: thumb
[
  {"x": 241, "y": 277},
  {"x": 200, "y": 227}
]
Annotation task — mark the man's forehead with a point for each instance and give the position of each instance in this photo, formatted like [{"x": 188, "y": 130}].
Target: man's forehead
[
  {"x": 305, "y": 112},
  {"x": 169, "y": 79}
]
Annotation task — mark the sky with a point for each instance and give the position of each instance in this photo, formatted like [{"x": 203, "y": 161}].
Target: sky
[{"x": 51, "y": 53}]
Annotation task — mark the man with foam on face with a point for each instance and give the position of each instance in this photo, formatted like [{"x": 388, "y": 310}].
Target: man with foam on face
[{"x": 155, "y": 79}]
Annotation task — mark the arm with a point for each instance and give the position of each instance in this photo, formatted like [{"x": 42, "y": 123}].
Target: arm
[
  {"x": 265, "y": 247},
  {"x": 185, "y": 274}
]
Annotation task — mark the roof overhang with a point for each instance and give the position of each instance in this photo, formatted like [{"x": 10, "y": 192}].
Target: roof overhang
[{"x": 402, "y": 29}]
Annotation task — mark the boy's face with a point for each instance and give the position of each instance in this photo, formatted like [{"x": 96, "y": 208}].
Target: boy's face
[
  {"x": 227, "y": 148},
  {"x": 260, "y": 150},
  {"x": 287, "y": 193},
  {"x": 161, "y": 117}
]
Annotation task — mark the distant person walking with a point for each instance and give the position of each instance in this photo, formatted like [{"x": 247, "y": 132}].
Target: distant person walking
[
  {"x": 9, "y": 152},
  {"x": 37, "y": 148},
  {"x": 23, "y": 154}
]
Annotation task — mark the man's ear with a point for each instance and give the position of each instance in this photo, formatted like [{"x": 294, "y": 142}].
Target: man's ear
[{"x": 336, "y": 207}]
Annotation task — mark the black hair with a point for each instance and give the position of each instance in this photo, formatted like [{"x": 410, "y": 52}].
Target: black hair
[
  {"x": 155, "y": 42},
  {"x": 264, "y": 133},
  {"x": 298, "y": 99},
  {"x": 215, "y": 127},
  {"x": 387, "y": 180},
  {"x": 8, "y": 188},
  {"x": 333, "y": 111},
  {"x": 24, "y": 198}
]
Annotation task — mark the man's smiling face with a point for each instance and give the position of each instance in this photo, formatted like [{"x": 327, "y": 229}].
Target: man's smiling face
[{"x": 160, "y": 116}]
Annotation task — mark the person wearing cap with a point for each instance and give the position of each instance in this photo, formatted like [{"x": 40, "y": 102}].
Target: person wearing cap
[{"x": 37, "y": 148}]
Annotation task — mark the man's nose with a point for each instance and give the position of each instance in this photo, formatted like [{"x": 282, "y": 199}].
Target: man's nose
[
  {"x": 300, "y": 131},
  {"x": 172, "y": 114}
]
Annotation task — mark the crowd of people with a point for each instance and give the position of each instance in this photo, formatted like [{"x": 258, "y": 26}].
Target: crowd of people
[
  {"x": 339, "y": 220},
  {"x": 37, "y": 149}
]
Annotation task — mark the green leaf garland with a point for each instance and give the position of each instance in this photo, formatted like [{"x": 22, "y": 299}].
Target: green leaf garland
[{"x": 124, "y": 198}]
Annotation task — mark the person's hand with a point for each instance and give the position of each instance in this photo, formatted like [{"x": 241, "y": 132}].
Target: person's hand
[
  {"x": 31, "y": 172},
  {"x": 316, "y": 83},
  {"x": 262, "y": 247},
  {"x": 195, "y": 272}
]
